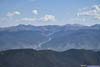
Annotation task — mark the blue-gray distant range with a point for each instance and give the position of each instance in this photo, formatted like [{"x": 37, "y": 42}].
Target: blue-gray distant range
[{"x": 52, "y": 37}]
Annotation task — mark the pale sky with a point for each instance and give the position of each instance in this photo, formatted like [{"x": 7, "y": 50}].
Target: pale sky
[{"x": 49, "y": 12}]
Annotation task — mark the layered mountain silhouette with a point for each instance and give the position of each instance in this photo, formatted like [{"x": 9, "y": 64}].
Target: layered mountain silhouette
[
  {"x": 53, "y": 37},
  {"x": 48, "y": 58}
]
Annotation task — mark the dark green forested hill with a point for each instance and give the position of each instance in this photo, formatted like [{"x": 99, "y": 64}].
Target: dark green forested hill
[{"x": 48, "y": 58}]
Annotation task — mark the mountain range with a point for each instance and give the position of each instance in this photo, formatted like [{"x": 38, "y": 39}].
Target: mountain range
[
  {"x": 53, "y": 37},
  {"x": 48, "y": 58}
]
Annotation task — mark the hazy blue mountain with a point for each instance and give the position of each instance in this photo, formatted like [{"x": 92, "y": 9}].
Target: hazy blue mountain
[
  {"x": 97, "y": 26},
  {"x": 52, "y": 37},
  {"x": 48, "y": 58},
  {"x": 20, "y": 39},
  {"x": 83, "y": 38}
]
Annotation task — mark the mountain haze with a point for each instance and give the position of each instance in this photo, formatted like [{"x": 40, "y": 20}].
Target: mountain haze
[{"x": 52, "y": 37}]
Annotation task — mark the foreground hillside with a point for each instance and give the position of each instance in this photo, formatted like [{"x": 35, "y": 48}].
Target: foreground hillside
[{"x": 48, "y": 58}]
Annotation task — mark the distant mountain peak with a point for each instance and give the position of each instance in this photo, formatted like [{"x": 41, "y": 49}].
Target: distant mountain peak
[
  {"x": 96, "y": 26},
  {"x": 79, "y": 25}
]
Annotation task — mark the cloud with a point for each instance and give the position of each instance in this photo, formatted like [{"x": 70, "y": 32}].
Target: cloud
[
  {"x": 48, "y": 18},
  {"x": 93, "y": 12},
  {"x": 35, "y": 12},
  {"x": 27, "y": 19},
  {"x": 11, "y": 14}
]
